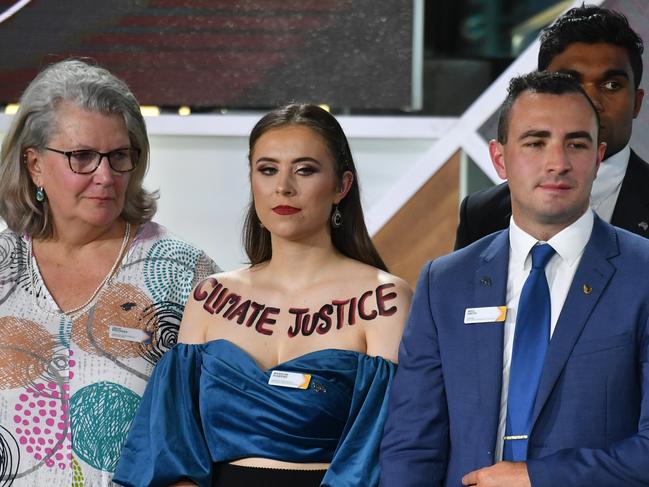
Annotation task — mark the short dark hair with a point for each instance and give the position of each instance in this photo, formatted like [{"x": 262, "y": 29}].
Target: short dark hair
[
  {"x": 591, "y": 24},
  {"x": 351, "y": 238},
  {"x": 538, "y": 82}
]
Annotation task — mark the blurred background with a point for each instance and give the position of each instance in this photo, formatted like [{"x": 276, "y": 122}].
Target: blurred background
[{"x": 416, "y": 85}]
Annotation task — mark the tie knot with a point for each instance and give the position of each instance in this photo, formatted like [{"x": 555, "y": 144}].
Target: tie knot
[{"x": 541, "y": 254}]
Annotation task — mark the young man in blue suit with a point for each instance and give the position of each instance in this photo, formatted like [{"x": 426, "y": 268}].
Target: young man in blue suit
[
  {"x": 598, "y": 47},
  {"x": 525, "y": 360}
]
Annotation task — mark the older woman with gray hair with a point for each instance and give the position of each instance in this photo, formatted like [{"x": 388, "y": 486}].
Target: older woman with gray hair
[{"x": 91, "y": 290}]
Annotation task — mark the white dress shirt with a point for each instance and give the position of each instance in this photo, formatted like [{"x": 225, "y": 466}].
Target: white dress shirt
[
  {"x": 569, "y": 245},
  {"x": 607, "y": 184}
]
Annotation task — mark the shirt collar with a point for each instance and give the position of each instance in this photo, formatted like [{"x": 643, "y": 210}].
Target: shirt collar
[
  {"x": 610, "y": 174},
  {"x": 569, "y": 243}
]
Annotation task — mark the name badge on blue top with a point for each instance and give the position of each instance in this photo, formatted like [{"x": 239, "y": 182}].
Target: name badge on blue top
[{"x": 294, "y": 380}]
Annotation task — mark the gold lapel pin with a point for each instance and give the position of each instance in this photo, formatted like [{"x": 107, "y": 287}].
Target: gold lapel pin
[{"x": 587, "y": 289}]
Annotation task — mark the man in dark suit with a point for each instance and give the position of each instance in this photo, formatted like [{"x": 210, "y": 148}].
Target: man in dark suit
[
  {"x": 598, "y": 48},
  {"x": 530, "y": 346}
]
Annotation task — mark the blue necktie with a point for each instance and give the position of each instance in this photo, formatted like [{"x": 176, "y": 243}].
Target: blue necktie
[{"x": 531, "y": 340}]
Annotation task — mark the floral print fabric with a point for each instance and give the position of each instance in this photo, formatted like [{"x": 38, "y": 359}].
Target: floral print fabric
[{"x": 69, "y": 388}]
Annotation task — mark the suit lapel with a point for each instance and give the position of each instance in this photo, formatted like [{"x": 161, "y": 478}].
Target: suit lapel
[
  {"x": 591, "y": 278},
  {"x": 632, "y": 206},
  {"x": 490, "y": 288},
  {"x": 505, "y": 207}
]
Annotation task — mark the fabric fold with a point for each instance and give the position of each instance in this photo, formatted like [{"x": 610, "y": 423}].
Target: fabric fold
[{"x": 212, "y": 403}]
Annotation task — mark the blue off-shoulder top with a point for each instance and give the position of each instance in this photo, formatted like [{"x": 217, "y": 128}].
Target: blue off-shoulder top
[{"x": 212, "y": 403}]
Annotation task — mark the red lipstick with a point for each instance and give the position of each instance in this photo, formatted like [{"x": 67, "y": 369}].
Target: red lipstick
[{"x": 286, "y": 210}]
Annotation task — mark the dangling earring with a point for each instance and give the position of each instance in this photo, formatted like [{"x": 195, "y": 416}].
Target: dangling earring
[
  {"x": 336, "y": 218},
  {"x": 40, "y": 194}
]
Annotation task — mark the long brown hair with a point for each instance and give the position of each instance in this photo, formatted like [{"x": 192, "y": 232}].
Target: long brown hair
[{"x": 351, "y": 238}]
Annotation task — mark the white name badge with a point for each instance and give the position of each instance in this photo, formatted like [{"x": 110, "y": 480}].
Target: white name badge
[
  {"x": 294, "y": 380},
  {"x": 128, "y": 334},
  {"x": 488, "y": 314}
]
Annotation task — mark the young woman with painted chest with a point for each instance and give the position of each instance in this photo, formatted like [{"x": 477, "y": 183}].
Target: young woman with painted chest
[{"x": 284, "y": 367}]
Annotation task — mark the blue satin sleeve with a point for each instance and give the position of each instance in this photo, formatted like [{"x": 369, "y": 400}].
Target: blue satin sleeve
[
  {"x": 356, "y": 460},
  {"x": 166, "y": 442}
]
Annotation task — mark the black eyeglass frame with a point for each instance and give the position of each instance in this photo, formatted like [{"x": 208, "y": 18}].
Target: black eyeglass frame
[{"x": 70, "y": 153}]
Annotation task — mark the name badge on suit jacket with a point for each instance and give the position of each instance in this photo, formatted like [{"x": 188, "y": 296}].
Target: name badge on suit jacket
[{"x": 487, "y": 314}]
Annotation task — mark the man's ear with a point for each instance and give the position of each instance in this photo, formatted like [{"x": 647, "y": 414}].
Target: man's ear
[
  {"x": 496, "y": 152},
  {"x": 345, "y": 186},
  {"x": 601, "y": 151},
  {"x": 32, "y": 159},
  {"x": 639, "y": 95}
]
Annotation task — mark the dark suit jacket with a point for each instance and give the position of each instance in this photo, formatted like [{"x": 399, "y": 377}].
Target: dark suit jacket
[
  {"x": 590, "y": 424},
  {"x": 488, "y": 211}
]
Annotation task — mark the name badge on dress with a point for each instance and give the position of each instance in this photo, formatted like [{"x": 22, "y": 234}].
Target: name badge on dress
[
  {"x": 294, "y": 380},
  {"x": 488, "y": 314},
  {"x": 128, "y": 334}
]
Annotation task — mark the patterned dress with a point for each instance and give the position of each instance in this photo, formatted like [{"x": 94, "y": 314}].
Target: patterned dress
[{"x": 69, "y": 388}]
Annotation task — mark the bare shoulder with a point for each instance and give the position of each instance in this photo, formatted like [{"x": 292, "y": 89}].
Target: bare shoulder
[
  {"x": 397, "y": 292},
  {"x": 366, "y": 275},
  {"x": 195, "y": 321},
  {"x": 402, "y": 288},
  {"x": 391, "y": 297}
]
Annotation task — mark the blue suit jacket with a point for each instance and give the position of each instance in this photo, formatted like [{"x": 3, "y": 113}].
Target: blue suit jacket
[{"x": 591, "y": 416}]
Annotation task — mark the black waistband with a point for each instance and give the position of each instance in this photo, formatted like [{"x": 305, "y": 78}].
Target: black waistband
[{"x": 227, "y": 475}]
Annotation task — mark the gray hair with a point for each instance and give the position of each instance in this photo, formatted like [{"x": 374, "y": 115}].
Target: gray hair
[{"x": 89, "y": 87}]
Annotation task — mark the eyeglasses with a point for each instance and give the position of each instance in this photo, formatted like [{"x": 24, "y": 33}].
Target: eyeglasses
[{"x": 87, "y": 161}]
